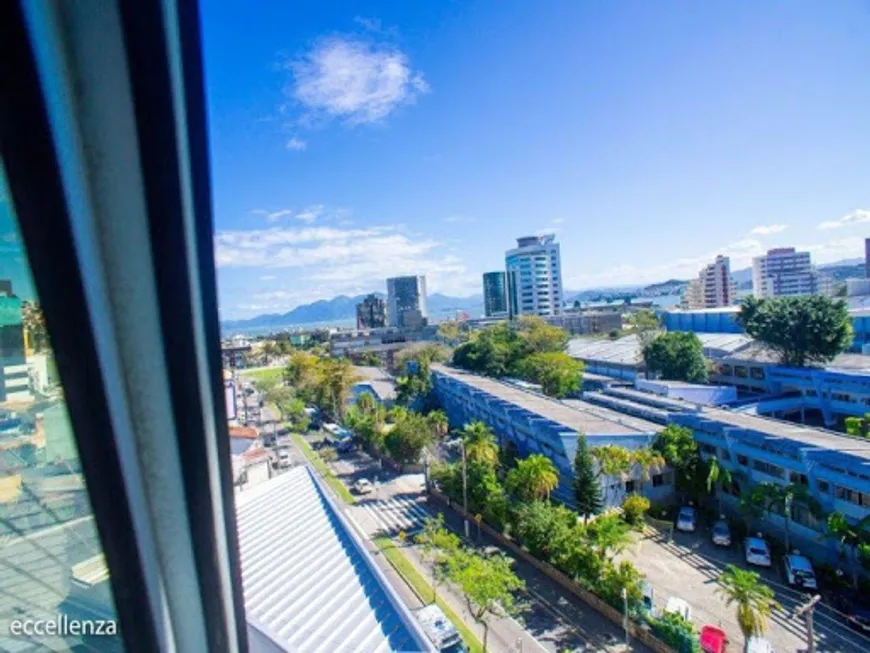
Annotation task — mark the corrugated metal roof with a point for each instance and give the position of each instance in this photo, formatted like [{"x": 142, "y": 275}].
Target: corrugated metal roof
[{"x": 309, "y": 584}]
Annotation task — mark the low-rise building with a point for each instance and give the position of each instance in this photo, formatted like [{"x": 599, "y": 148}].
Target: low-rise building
[
  {"x": 587, "y": 322},
  {"x": 376, "y": 381}
]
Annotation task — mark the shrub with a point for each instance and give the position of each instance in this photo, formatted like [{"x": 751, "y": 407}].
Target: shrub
[
  {"x": 633, "y": 509},
  {"x": 328, "y": 454},
  {"x": 676, "y": 631}
]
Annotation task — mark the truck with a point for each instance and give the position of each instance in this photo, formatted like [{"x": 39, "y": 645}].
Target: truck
[{"x": 440, "y": 631}]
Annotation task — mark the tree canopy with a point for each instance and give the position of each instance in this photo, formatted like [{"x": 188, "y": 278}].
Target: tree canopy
[
  {"x": 799, "y": 330},
  {"x": 676, "y": 356},
  {"x": 558, "y": 373},
  {"x": 587, "y": 489}
]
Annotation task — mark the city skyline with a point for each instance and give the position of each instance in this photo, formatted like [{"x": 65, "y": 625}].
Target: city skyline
[{"x": 353, "y": 145}]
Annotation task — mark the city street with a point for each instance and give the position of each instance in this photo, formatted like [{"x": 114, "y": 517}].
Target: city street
[{"x": 688, "y": 567}]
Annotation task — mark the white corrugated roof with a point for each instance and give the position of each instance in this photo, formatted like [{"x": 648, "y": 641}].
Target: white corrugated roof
[{"x": 309, "y": 584}]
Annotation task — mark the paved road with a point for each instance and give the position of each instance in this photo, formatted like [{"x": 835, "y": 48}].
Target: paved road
[{"x": 688, "y": 568}]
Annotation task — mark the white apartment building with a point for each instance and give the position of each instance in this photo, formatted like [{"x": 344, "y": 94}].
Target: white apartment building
[
  {"x": 534, "y": 275},
  {"x": 713, "y": 288},
  {"x": 783, "y": 272}
]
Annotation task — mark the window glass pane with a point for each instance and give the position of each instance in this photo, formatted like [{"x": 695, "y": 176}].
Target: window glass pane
[{"x": 55, "y": 585}]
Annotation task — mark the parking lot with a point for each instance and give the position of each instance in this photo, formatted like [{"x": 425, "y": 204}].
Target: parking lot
[{"x": 688, "y": 567}]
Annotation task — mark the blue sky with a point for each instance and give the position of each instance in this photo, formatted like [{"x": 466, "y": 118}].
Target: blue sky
[{"x": 352, "y": 141}]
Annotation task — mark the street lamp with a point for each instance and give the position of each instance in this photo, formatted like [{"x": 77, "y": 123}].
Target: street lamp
[
  {"x": 807, "y": 612},
  {"x": 625, "y": 615},
  {"x": 461, "y": 444}
]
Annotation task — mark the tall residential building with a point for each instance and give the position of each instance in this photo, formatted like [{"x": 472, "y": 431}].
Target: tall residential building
[
  {"x": 495, "y": 294},
  {"x": 406, "y": 302},
  {"x": 534, "y": 277},
  {"x": 783, "y": 272},
  {"x": 371, "y": 313},
  {"x": 713, "y": 288}
]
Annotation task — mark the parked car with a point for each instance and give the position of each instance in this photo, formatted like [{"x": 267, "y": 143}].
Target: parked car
[
  {"x": 345, "y": 447},
  {"x": 758, "y": 645},
  {"x": 440, "y": 630},
  {"x": 687, "y": 519},
  {"x": 721, "y": 533},
  {"x": 855, "y": 607},
  {"x": 363, "y": 486},
  {"x": 757, "y": 551},
  {"x": 713, "y": 639},
  {"x": 799, "y": 572}
]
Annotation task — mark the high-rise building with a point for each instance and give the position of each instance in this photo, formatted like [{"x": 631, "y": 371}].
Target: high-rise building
[
  {"x": 783, "y": 272},
  {"x": 867, "y": 257},
  {"x": 406, "y": 302},
  {"x": 14, "y": 375},
  {"x": 371, "y": 313},
  {"x": 713, "y": 288},
  {"x": 495, "y": 294},
  {"x": 534, "y": 277}
]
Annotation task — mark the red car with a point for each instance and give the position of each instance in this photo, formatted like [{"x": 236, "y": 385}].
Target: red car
[{"x": 713, "y": 639}]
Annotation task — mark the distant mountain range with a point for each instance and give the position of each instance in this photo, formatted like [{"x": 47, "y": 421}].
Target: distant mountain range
[{"x": 343, "y": 308}]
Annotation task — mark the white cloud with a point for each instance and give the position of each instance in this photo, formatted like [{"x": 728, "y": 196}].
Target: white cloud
[
  {"x": 767, "y": 230},
  {"x": 354, "y": 80},
  {"x": 333, "y": 260},
  {"x": 309, "y": 214},
  {"x": 858, "y": 216},
  {"x": 296, "y": 144},
  {"x": 273, "y": 216}
]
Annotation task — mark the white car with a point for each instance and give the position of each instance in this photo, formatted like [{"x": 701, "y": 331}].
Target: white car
[
  {"x": 678, "y": 606},
  {"x": 363, "y": 486},
  {"x": 758, "y": 645},
  {"x": 721, "y": 533},
  {"x": 687, "y": 519},
  {"x": 799, "y": 572},
  {"x": 757, "y": 551}
]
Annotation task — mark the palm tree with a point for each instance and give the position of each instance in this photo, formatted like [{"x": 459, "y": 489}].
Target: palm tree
[
  {"x": 781, "y": 498},
  {"x": 647, "y": 461},
  {"x": 754, "y": 600},
  {"x": 608, "y": 535},
  {"x": 751, "y": 506},
  {"x": 269, "y": 350},
  {"x": 717, "y": 474},
  {"x": 480, "y": 444},
  {"x": 612, "y": 460},
  {"x": 848, "y": 535},
  {"x": 366, "y": 403},
  {"x": 439, "y": 422},
  {"x": 540, "y": 475}
]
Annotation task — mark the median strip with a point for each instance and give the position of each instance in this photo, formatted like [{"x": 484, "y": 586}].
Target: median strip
[
  {"x": 324, "y": 470},
  {"x": 422, "y": 588}
]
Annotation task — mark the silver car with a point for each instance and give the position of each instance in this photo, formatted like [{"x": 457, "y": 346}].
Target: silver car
[{"x": 721, "y": 533}]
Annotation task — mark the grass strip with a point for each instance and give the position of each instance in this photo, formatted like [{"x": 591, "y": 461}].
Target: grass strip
[
  {"x": 324, "y": 470},
  {"x": 273, "y": 373},
  {"x": 422, "y": 587}
]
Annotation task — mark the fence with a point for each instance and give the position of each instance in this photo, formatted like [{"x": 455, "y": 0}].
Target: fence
[{"x": 635, "y": 630}]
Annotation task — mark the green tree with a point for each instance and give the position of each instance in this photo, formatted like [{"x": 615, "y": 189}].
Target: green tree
[
  {"x": 558, "y": 373},
  {"x": 781, "y": 499},
  {"x": 613, "y": 461},
  {"x": 301, "y": 373},
  {"x": 754, "y": 600},
  {"x": 487, "y": 584},
  {"x": 369, "y": 358},
  {"x": 573, "y": 554},
  {"x": 676, "y": 356},
  {"x": 493, "y": 351},
  {"x": 858, "y": 426},
  {"x": 437, "y": 544},
  {"x": 480, "y": 444},
  {"x": 539, "y": 336},
  {"x": 367, "y": 403},
  {"x": 615, "y": 579},
  {"x": 269, "y": 350},
  {"x": 540, "y": 525},
  {"x": 438, "y": 422},
  {"x": 648, "y": 461},
  {"x": 587, "y": 488},
  {"x": 334, "y": 379},
  {"x": 265, "y": 384},
  {"x": 452, "y": 332},
  {"x": 428, "y": 353},
  {"x": 681, "y": 453},
  {"x": 533, "y": 478},
  {"x": 849, "y": 537},
  {"x": 634, "y": 507},
  {"x": 799, "y": 330},
  {"x": 608, "y": 535},
  {"x": 408, "y": 437}
]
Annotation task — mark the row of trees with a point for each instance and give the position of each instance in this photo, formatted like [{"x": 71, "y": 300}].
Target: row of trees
[
  {"x": 513, "y": 495},
  {"x": 321, "y": 381},
  {"x": 529, "y": 349},
  {"x": 487, "y": 582}
]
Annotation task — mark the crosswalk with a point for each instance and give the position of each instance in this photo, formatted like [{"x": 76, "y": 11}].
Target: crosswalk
[{"x": 396, "y": 514}]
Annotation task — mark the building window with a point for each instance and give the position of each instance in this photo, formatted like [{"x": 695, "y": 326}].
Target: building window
[
  {"x": 708, "y": 448},
  {"x": 726, "y": 370},
  {"x": 629, "y": 486},
  {"x": 801, "y": 515},
  {"x": 852, "y": 496},
  {"x": 740, "y": 372},
  {"x": 724, "y": 454},
  {"x": 757, "y": 373},
  {"x": 742, "y": 460},
  {"x": 798, "y": 478},
  {"x": 768, "y": 468},
  {"x": 824, "y": 487}
]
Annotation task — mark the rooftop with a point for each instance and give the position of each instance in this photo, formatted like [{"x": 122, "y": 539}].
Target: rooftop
[
  {"x": 573, "y": 414},
  {"x": 627, "y": 350},
  {"x": 309, "y": 583},
  {"x": 380, "y": 381}
]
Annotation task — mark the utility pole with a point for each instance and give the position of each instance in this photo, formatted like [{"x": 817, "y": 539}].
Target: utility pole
[
  {"x": 625, "y": 613},
  {"x": 465, "y": 490},
  {"x": 807, "y": 612}
]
